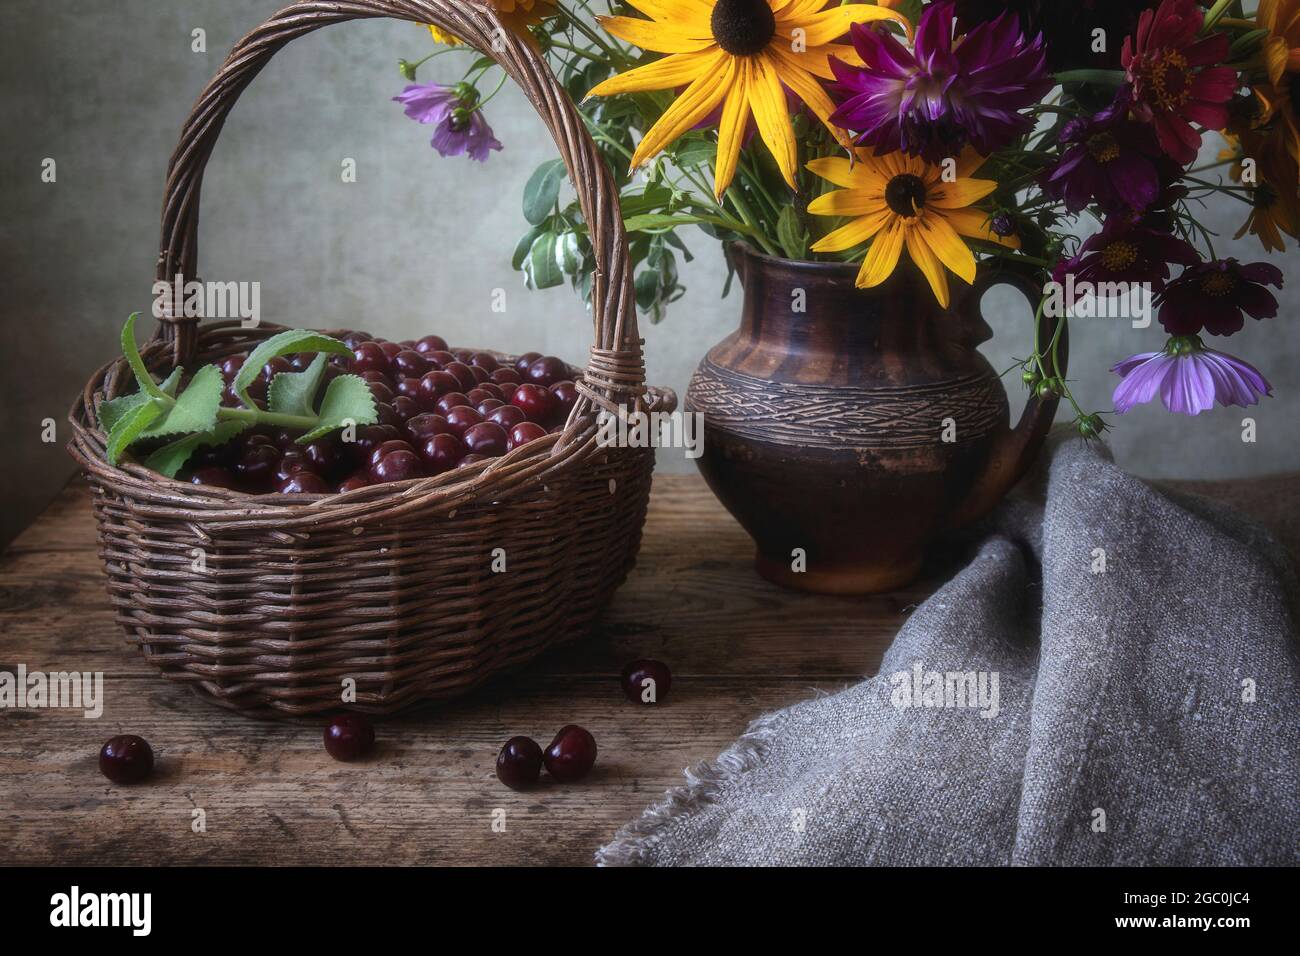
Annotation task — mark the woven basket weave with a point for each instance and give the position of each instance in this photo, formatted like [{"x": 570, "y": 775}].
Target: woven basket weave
[{"x": 392, "y": 585}]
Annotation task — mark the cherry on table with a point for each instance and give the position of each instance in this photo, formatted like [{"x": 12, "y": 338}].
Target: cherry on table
[
  {"x": 349, "y": 737},
  {"x": 571, "y": 754},
  {"x": 519, "y": 763},
  {"x": 126, "y": 759},
  {"x": 646, "y": 681}
]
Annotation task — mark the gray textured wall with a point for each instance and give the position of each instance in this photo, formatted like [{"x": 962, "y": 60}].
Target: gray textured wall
[{"x": 417, "y": 244}]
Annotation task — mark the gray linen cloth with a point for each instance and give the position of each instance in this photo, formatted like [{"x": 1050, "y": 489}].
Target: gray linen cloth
[{"x": 1144, "y": 711}]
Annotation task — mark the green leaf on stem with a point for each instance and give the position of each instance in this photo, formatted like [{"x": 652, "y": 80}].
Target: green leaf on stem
[
  {"x": 196, "y": 408},
  {"x": 523, "y": 247},
  {"x": 294, "y": 393},
  {"x": 285, "y": 343},
  {"x": 170, "y": 459},
  {"x": 791, "y": 234},
  {"x": 543, "y": 190},
  {"x": 130, "y": 426},
  {"x": 112, "y": 410},
  {"x": 347, "y": 401},
  {"x": 132, "y": 354},
  {"x": 542, "y": 271}
]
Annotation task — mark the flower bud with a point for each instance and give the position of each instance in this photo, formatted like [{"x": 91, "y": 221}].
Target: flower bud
[{"x": 407, "y": 69}]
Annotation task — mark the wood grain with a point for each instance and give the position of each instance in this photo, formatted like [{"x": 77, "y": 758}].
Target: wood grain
[{"x": 739, "y": 647}]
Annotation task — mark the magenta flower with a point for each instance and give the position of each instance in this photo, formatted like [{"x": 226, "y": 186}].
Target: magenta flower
[
  {"x": 946, "y": 94},
  {"x": 1127, "y": 250},
  {"x": 1112, "y": 160},
  {"x": 1173, "y": 82},
  {"x": 1189, "y": 378},
  {"x": 1213, "y": 295},
  {"x": 459, "y": 124}
]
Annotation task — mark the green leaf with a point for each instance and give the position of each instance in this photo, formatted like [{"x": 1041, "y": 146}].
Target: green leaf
[
  {"x": 543, "y": 190},
  {"x": 196, "y": 409},
  {"x": 112, "y": 410},
  {"x": 693, "y": 153},
  {"x": 543, "y": 268},
  {"x": 647, "y": 289},
  {"x": 523, "y": 246},
  {"x": 654, "y": 220},
  {"x": 132, "y": 353},
  {"x": 568, "y": 255},
  {"x": 294, "y": 393},
  {"x": 347, "y": 400},
  {"x": 170, "y": 459},
  {"x": 791, "y": 234},
  {"x": 286, "y": 343},
  {"x": 130, "y": 426}
]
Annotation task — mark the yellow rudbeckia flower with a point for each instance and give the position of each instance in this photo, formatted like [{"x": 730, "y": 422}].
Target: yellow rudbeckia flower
[
  {"x": 737, "y": 54},
  {"x": 899, "y": 200}
]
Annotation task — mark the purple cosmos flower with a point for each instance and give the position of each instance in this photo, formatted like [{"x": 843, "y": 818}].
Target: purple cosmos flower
[
  {"x": 1127, "y": 250},
  {"x": 1212, "y": 296},
  {"x": 1112, "y": 161},
  {"x": 946, "y": 94},
  {"x": 460, "y": 126},
  {"x": 1189, "y": 378}
]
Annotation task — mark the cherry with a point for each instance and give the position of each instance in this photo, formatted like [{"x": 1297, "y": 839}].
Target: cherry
[
  {"x": 126, "y": 759},
  {"x": 431, "y": 343},
  {"x": 525, "y": 360},
  {"x": 275, "y": 367},
  {"x": 303, "y": 483},
  {"x": 547, "y": 371},
  {"x": 571, "y": 754},
  {"x": 481, "y": 375},
  {"x": 484, "y": 360},
  {"x": 397, "y": 466},
  {"x": 462, "y": 418},
  {"x": 407, "y": 408},
  {"x": 537, "y": 404},
  {"x": 481, "y": 394},
  {"x": 523, "y": 433},
  {"x": 231, "y": 365},
  {"x": 647, "y": 681},
  {"x": 471, "y": 460},
  {"x": 369, "y": 357},
  {"x": 360, "y": 480},
  {"x": 387, "y": 415},
  {"x": 487, "y": 439},
  {"x": 323, "y": 453},
  {"x": 451, "y": 400},
  {"x": 507, "y": 416},
  {"x": 388, "y": 447},
  {"x": 291, "y": 462},
  {"x": 258, "y": 461},
  {"x": 464, "y": 375},
  {"x": 488, "y": 405},
  {"x": 426, "y": 425},
  {"x": 382, "y": 392},
  {"x": 434, "y": 385},
  {"x": 349, "y": 737},
  {"x": 379, "y": 377},
  {"x": 462, "y": 355},
  {"x": 353, "y": 339},
  {"x": 442, "y": 453},
  {"x": 442, "y": 357},
  {"x": 410, "y": 387},
  {"x": 370, "y": 437},
  {"x": 566, "y": 396},
  {"x": 519, "y": 763},
  {"x": 506, "y": 376},
  {"x": 410, "y": 363},
  {"x": 214, "y": 476},
  {"x": 389, "y": 348}
]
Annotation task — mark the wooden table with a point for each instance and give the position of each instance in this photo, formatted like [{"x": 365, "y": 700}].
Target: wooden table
[{"x": 738, "y": 647}]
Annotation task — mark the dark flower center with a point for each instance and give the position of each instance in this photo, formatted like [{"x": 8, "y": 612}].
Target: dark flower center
[
  {"x": 1218, "y": 284},
  {"x": 458, "y": 122},
  {"x": 1103, "y": 148},
  {"x": 905, "y": 195},
  {"x": 1119, "y": 255},
  {"x": 1264, "y": 196},
  {"x": 743, "y": 27},
  {"x": 1170, "y": 80}
]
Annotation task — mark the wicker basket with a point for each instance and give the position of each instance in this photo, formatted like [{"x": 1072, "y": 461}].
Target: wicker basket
[{"x": 391, "y": 585}]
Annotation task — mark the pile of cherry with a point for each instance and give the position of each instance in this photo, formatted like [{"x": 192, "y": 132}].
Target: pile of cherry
[{"x": 439, "y": 409}]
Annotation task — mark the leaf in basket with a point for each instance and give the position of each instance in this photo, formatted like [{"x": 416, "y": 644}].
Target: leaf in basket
[
  {"x": 542, "y": 271},
  {"x": 285, "y": 343},
  {"x": 347, "y": 399},
  {"x": 170, "y": 459},
  {"x": 130, "y": 426},
  {"x": 112, "y": 410},
  {"x": 196, "y": 408},
  {"x": 294, "y": 393},
  {"x": 543, "y": 190},
  {"x": 132, "y": 354}
]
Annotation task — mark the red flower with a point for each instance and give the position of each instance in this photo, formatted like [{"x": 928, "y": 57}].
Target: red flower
[{"x": 1174, "y": 84}]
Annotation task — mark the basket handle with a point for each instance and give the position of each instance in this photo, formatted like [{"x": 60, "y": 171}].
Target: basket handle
[{"x": 616, "y": 371}]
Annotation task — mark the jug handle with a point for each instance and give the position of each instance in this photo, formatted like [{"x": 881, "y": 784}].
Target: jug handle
[{"x": 1014, "y": 449}]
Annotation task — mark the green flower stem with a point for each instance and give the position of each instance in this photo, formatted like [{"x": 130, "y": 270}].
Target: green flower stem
[
  {"x": 1098, "y": 77},
  {"x": 1216, "y": 13},
  {"x": 255, "y": 416},
  {"x": 747, "y": 214},
  {"x": 487, "y": 99}
]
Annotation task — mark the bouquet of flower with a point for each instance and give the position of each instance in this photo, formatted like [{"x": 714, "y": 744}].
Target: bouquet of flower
[{"x": 1061, "y": 137}]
